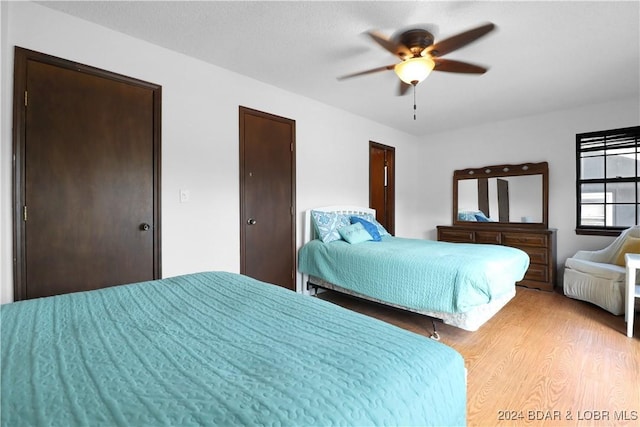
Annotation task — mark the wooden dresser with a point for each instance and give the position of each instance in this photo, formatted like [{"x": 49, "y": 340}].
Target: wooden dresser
[{"x": 540, "y": 244}]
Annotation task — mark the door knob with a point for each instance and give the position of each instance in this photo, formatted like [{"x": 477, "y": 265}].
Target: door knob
[
  {"x": 145, "y": 227},
  {"x": 251, "y": 221}
]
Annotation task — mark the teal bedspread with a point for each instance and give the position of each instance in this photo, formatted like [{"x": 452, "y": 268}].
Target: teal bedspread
[
  {"x": 218, "y": 349},
  {"x": 418, "y": 274}
]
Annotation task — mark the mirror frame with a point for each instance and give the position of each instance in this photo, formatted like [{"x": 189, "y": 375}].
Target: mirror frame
[{"x": 496, "y": 171}]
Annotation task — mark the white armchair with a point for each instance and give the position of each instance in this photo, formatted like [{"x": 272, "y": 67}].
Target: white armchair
[{"x": 599, "y": 276}]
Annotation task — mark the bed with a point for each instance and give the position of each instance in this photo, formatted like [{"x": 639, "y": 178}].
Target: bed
[
  {"x": 218, "y": 348},
  {"x": 464, "y": 285}
]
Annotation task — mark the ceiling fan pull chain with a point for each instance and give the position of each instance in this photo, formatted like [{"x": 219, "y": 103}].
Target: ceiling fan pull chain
[{"x": 414, "y": 102}]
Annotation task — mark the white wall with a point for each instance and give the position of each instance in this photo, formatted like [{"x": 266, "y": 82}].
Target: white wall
[
  {"x": 199, "y": 138},
  {"x": 549, "y": 137}
]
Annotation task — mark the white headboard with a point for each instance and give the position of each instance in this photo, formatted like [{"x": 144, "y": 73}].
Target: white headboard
[{"x": 309, "y": 230}]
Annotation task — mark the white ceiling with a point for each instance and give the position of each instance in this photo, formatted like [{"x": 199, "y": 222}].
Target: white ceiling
[{"x": 544, "y": 55}]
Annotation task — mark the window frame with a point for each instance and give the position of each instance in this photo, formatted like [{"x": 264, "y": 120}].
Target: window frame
[{"x": 585, "y": 143}]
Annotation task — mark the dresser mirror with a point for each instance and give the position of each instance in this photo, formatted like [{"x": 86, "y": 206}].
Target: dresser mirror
[{"x": 505, "y": 195}]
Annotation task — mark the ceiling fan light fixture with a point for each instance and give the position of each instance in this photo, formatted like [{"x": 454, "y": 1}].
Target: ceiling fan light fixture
[{"x": 414, "y": 70}]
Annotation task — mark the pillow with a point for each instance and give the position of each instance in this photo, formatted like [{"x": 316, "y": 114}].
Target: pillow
[
  {"x": 467, "y": 216},
  {"x": 355, "y": 233},
  {"x": 631, "y": 245},
  {"x": 381, "y": 229},
  {"x": 370, "y": 227},
  {"x": 327, "y": 225},
  {"x": 372, "y": 220},
  {"x": 481, "y": 218}
]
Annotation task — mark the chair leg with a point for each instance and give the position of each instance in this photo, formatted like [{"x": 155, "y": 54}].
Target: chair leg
[{"x": 629, "y": 297}]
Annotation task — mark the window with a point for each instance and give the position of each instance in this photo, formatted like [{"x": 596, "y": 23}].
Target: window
[{"x": 607, "y": 180}]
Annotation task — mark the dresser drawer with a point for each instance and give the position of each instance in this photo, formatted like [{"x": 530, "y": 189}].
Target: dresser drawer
[
  {"x": 523, "y": 239},
  {"x": 537, "y": 272},
  {"x": 456, "y": 236},
  {"x": 539, "y": 244},
  {"x": 493, "y": 237},
  {"x": 536, "y": 255}
]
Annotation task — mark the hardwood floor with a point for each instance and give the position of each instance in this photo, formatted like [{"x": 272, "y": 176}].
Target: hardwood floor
[{"x": 543, "y": 360}]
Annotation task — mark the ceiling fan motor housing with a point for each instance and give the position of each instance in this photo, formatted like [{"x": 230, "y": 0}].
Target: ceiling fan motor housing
[{"x": 416, "y": 40}]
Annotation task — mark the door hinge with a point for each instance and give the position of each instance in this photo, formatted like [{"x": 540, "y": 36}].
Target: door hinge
[
  {"x": 291, "y": 146},
  {"x": 26, "y": 98},
  {"x": 24, "y": 213},
  {"x": 291, "y": 209}
]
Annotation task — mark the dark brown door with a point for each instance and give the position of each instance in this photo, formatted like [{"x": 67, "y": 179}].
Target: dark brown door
[
  {"x": 267, "y": 197},
  {"x": 90, "y": 196},
  {"x": 382, "y": 184},
  {"x": 483, "y": 196},
  {"x": 503, "y": 200}
]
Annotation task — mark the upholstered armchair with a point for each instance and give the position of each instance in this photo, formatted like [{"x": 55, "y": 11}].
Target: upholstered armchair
[{"x": 599, "y": 276}]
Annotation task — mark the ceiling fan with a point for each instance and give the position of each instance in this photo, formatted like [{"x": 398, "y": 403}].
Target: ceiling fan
[{"x": 419, "y": 55}]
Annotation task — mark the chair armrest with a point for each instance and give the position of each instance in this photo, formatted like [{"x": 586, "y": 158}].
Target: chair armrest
[
  {"x": 603, "y": 255},
  {"x": 597, "y": 269}
]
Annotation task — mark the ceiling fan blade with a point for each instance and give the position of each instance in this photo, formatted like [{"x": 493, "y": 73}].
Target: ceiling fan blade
[
  {"x": 392, "y": 46},
  {"x": 452, "y": 66},
  {"x": 371, "y": 71},
  {"x": 403, "y": 88},
  {"x": 456, "y": 42}
]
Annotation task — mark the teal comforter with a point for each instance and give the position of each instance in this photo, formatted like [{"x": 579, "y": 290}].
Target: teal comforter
[
  {"x": 218, "y": 349},
  {"x": 418, "y": 274}
]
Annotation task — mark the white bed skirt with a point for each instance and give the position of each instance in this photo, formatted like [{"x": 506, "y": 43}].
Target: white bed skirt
[{"x": 469, "y": 321}]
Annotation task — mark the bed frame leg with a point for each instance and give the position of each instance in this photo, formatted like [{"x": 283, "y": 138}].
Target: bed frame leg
[
  {"x": 435, "y": 335},
  {"x": 311, "y": 286}
]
